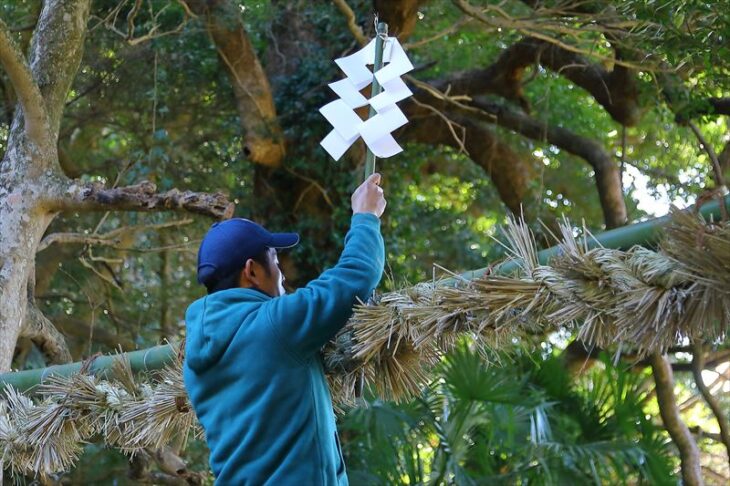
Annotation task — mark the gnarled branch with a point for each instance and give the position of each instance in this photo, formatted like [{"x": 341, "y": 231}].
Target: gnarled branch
[
  {"x": 608, "y": 180},
  {"x": 141, "y": 197},
  {"x": 607, "y": 176},
  {"x": 615, "y": 90}
]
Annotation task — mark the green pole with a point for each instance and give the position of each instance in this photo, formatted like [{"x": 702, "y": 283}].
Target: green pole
[
  {"x": 381, "y": 33},
  {"x": 646, "y": 233},
  {"x": 142, "y": 360}
]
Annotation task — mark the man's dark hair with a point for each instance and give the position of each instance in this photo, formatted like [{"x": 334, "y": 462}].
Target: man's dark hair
[{"x": 230, "y": 281}]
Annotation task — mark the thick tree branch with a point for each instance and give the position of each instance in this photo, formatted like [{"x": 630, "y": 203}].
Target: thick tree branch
[
  {"x": 44, "y": 334},
  {"x": 681, "y": 436},
  {"x": 698, "y": 364},
  {"x": 26, "y": 89},
  {"x": 141, "y": 197},
  {"x": 615, "y": 90},
  {"x": 263, "y": 138},
  {"x": 607, "y": 176}
]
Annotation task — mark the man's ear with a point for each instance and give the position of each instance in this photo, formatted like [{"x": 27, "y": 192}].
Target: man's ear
[{"x": 248, "y": 274}]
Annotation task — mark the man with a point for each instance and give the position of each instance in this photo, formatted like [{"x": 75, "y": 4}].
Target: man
[{"x": 252, "y": 367}]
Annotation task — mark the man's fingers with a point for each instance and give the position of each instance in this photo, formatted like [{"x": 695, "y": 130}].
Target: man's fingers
[
  {"x": 374, "y": 178},
  {"x": 368, "y": 197}
]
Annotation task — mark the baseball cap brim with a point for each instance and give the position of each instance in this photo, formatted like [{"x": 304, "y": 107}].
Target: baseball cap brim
[{"x": 284, "y": 240}]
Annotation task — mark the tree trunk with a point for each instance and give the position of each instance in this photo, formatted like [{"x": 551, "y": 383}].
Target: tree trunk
[
  {"x": 33, "y": 189},
  {"x": 263, "y": 139},
  {"x": 22, "y": 225},
  {"x": 30, "y": 165}
]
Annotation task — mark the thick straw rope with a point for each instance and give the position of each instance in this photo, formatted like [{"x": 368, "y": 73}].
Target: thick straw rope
[
  {"x": 46, "y": 436},
  {"x": 639, "y": 299}
]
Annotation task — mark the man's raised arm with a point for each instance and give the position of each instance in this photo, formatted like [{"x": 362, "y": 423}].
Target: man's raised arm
[{"x": 306, "y": 319}]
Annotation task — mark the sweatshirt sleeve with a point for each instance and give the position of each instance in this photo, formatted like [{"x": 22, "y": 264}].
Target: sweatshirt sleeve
[{"x": 306, "y": 319}]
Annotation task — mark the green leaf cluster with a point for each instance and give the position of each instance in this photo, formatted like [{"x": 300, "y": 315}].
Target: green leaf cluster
[{"x": 523, "y": 421}]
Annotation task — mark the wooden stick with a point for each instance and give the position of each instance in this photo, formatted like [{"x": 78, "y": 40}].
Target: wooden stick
[{"x": 381, "y": 34}]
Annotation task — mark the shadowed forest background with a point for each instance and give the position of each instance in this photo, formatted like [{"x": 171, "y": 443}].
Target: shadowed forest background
[{"x": 604, "y": 112}]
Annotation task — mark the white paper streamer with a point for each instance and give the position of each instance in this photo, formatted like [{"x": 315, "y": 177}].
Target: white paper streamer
[{"x": 348, "y": 126}]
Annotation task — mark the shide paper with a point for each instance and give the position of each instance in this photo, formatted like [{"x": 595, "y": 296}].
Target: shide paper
[{"x": 375, "y": 132}]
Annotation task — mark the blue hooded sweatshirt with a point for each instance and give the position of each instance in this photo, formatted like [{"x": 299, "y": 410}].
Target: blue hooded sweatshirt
[{"x": 254, "y": 374}]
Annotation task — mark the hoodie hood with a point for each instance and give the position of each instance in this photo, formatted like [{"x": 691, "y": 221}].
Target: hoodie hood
[{"x": 212, "y": 321}]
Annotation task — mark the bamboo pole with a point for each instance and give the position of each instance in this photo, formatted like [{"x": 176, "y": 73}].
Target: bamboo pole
[
  {"x": 380, "y": 36},
  {"x": 143, "y": 360},
  {"x": 646, "y": 233}
]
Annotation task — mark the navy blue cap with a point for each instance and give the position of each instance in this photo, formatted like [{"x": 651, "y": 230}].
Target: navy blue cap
[{"x": 229, "y": 244}]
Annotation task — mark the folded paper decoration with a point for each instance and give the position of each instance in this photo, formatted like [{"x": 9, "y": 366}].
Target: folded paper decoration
[{"x": 376, "y": 131}]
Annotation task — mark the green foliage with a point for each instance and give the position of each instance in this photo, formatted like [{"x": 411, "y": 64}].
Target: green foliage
[
  {"x": 440, "y": 210},
  {"x": 520, "y": 422}
]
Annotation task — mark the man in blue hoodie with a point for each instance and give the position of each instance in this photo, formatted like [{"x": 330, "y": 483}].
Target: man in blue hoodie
[{"x": 252, "y": 367}]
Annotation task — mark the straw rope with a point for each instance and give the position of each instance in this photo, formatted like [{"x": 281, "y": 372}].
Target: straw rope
[
  {"x": 639, "y": 299},
  {"x": 47, "y": 436}
]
